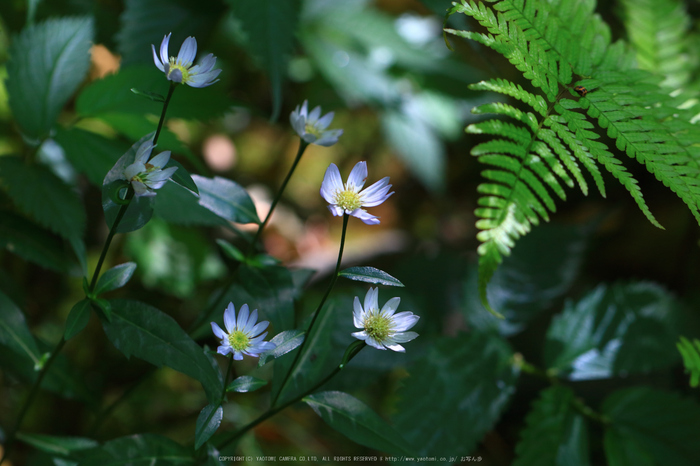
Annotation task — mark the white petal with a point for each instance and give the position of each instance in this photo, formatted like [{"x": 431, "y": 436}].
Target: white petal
[
  {"x": 230, "y": 318},
  {"x": 259, "y": 327},
  {"x": 224, "y": 349},
  {"x": 325, "y": 121},
  {"x": 376, "y": 194},
  {"x": 357, "y": 313},
  {"x": 144, "y": 152},
  {"x": 403, "y": 337},
  {"x": 357, "y": 177},
  {"x": 313, "y": 116},
  {"x": 251, "y": 322},
  {"x": 140, "y": 189},
  {"x": 396, "y": 347},
  {"x": 161, "y": 175},
  {"x": 237, "y": 355},
  {"x": 372, "y": 300},
  {"x": 161, "y": 159},
  {"x": 164, "y": 49},
  {"x": 220, "y": 334},
  {"x": 372, "y": 342},
  {"x": 156, "y": 60},
  {"x": 206, "y": 64},
  {"x": 187, "y": 52},
  {"x": 390, "y": 306},
  {"x": 360, "y": 335},
  {"x": 133, "y": 170},
  {"x": 365, "y": 216},
  {"x": 404, "y": 321},
  {"x": 328, "y": 138},
  {"x": 335, "y": 210},
  {"x": 305, "y": 109},
  {"x": 204, "y": 79},
  {"x": 332, "y": 182},
  {"x": 243, "y": 314},
  {"x": 175, "y": 76}
]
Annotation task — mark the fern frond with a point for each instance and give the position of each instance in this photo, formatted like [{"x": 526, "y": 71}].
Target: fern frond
[
  {"x": 557, "y": 44},
  {"x": 691, "y": 358}
]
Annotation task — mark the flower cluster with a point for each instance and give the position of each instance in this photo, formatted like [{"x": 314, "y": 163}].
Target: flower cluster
[
  {"x": 147, "y": 175},
  {"x": 383, "y": 329},
  {"x": 180, "y": 70},
  {"x": 242, "y": 335},
  {"x": 311, "y": 128},
  {"x": 349, "y": 198}
]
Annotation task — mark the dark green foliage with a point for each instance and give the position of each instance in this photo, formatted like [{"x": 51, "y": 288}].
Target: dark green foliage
[
  {"x": 558, "y": 45},
  {"x": 138, "y": 449}
]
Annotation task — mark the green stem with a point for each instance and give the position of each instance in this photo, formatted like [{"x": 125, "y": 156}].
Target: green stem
[
  {"x": 225, "y": 442},
  {"x": 30, "y": 398},
  {"x": 302, "y": 147},
  {"x": 318, "y": 309},
  {"x": 112, "y": 232},
  {"x": 165, "y": 109},
  {"x": 228, "y": 373}
]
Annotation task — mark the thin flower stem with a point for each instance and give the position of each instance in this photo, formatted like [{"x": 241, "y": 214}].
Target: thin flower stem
[
  {"x": 318, "y": 309},
  {"x": 302, "y": 147},
  {"x": 225, "y": 442},
  {"x": 30, "y": 398},
  {"x": 165, "y": 109},
  {"x": 228, "y": 373},
  {"x": 112, "y": 232}
]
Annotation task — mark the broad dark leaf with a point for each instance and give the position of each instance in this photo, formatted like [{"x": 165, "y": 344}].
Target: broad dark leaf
[
  {"x": 180, "y": 206},
  {"x": 227, "y": 199},
  {"x": 141, "y": 450},
  {"x": 245, "y": 383},
  {"x": 57, "y": 445},
  {"x": 614, "y": 330},
  {"x": 145, "y": 332},
  {"x": 208, "y": 422},
  {"x": 370, "y": 275},
  {"x": 90, "y": 153},
  {"x": 116, "y": 277},
  {"x": 77, "y": 319}
]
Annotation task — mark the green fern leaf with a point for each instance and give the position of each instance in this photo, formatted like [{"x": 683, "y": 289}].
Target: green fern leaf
[{"x": 691, "y": 359}]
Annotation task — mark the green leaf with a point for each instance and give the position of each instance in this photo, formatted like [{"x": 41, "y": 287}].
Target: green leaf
[
  {"x": 230, "y": 250},
  {"x": 113, "y": 94},
  {"x": 47, "y": 64},
  {"x": 617, "y": 330},
  {"x": 149, "y": 95},
  {"x": 208, "y": 422},
  {"x": 370, "y": 275},
  {"x": 33, "y": 243},
  {"x": 116, "y": 277},
  {"x": 40, "y": 194},
  {"x": 269, "y": 27},
  {"x": 14, "y": 332},
  {"x": 555, "y": 433},
  {"x": 651, "y": 424},
  {"x": 463, "y": 383},
  {"x": 178, "y": 205},
  {"x": 140, "y": 208},
  {"x": 182, "y": 176},
  {"x": 245, "y": 384},
  {"x": 57, "y": 445},
  {"x": 691, "y": 359},
  {"x": 358, "y": 422},
  {"x": 77, "y": 319},
  {"x": 90, "y": 153},
  {"x": 285, "y": 342},
  {"x": 142, "y": 449},
  {"x": 226, "y": 199},
  {"x": 146, "y": 332}
]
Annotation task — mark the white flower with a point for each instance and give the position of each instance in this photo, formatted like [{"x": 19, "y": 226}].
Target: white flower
[
  {"x": 348, "y": 198},
  {"x": 180, "y": 70},
  {"x": 383, "y": 329},
  {"x": 147, "y": 175},
  {"x": 242, "y": 336},
  {"x": 311, "y": 128}
]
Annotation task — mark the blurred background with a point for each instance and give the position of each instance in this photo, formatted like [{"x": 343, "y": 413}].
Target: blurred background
[{"x": 402, "y": 98}]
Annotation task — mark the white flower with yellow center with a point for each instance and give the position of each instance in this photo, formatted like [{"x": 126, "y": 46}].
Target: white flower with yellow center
[
  {"x": 147, "y": 175},
  {"x": 383, "y": 328},
  {"x": 180, "y": 70},
  {"x": 348, "y": 198},
  {"x": 242, "y": 336},
  {"x": 311, "y": 128}
]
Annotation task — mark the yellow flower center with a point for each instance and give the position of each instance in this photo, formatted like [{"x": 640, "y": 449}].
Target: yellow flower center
[
  {"x": 348, "y": 200},
  {"x": 173, "y": 65},
  {"x": 239, "y": 341},
  {"x": 311, "y": 129},
  {"x": 377, "y": 325}
]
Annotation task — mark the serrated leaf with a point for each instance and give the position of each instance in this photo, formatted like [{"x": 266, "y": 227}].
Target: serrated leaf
[
  {"x": 358, "y": 422},
  {"x": 140, "y": 330},
  {"x": 114, "y": 278},
  {"x": 691, "y": 358},
  {"x": 245, "y": 383},
  {"x": 39, "y": 193},
  {"x": 270, "y": 28},
  {"x": 140, "y": 208},
  {"x": 139, "y": 449},
  {"x": 370, "y": 275},
  {"x": 57, "y": 445},
  {"x": 616, "y": 330},
  {"x": 14, "y": 332},
  {"x": 285, "y": 342},
  {"x": 77, "y": 319},
  {"x": 463, "y": 381},
  {"x": 227, "y": 199},
  {"x": 555, "y": 433},
  {"x": 90, "y": 153},
  {"x": 208, "y": 422},
  {"x": 47, "y": 63},
  {"x": 32, "y": 243},
  {"x": 658, "y": 425},
  {"x": 178, "y": 205}
]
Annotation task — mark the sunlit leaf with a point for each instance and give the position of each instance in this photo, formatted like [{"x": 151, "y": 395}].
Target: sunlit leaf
[
  {"x": 284, "y": 343},
  {"x": 208, "y": 422},
  {"x": 116, "y": 277},
  {"x": 227, "y": 199},
  {"x": 370, "y": 275},
  {"x": 245, "y": 383}
]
